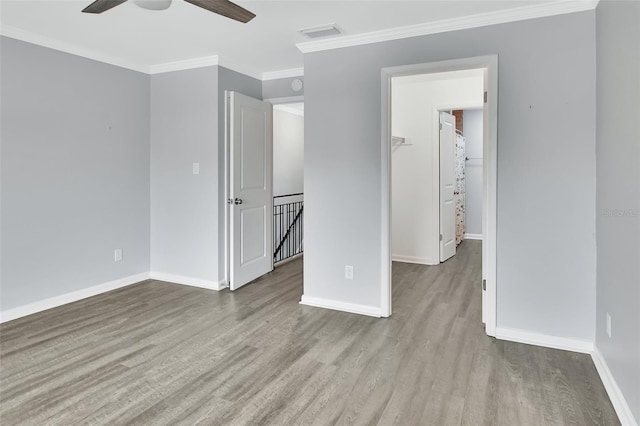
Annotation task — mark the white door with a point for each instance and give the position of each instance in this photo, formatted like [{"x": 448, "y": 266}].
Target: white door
[
  {"x": 251, "y": 193},
  {"x": 447, "y": 185}
]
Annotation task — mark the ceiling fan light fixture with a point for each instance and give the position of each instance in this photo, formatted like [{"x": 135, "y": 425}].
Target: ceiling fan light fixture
[{"x": 153, "y": 4}]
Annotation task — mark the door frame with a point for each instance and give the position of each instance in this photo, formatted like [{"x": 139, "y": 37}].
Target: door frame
[
  {"x": 227, "y": 188},
  {"x": 490, "y": 172}
]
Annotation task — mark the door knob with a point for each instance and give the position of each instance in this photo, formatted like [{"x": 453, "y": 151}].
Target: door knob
[{"x": 237, "y": 201}]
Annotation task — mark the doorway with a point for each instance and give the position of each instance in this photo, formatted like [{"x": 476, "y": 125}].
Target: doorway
[
  {"x": 258, "y": 185},
  {"x": 288, "y": 181},
  {"x": 487, "y": 66},
  {"x": 427, "y": 175}
]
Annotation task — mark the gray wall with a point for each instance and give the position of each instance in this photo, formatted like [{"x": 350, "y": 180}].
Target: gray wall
[
  {"x": 184, "y": 206},
  {"x": 75, "y": 172},
  {"x": 618, "y": 193},
  {"x": 473, "y": 133},
  {"x": 228, "y": 80},
  {"x": 288, "y": 153},
  {"x": 280, "y": 88},
  {"x": 546, "y": 167},
  {"x": 115, "y": 171}
]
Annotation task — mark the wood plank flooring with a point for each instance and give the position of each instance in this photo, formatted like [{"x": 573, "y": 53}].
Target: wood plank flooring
[{"x": 163, "y": 354}]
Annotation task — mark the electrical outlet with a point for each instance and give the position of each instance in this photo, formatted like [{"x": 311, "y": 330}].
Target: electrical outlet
[
  {"x": 196, "y": 168},
  {"x": 608, "y": 325},
  {"x": 348, "y": 272},
  {"x": 117, "y": 255}
]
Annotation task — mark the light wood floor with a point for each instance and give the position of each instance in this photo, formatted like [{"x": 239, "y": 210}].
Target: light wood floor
[{"x": 159, "y": 353}]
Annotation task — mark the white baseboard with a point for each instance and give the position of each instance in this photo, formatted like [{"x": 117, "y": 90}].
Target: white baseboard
[
  {"x": 473, "y": 236},
  {"x": 336, "y": 305},
  {"x": 623, "y": 410},
  {"x": 413, "y": 259},
  {"x": 191, "y": 281},
  {"x": 52, "y": 302},
  {"x": 547, "y": 341}
]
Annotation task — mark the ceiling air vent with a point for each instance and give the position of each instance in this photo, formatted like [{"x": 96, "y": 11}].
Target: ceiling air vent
[{"x": 322, "y": 31}]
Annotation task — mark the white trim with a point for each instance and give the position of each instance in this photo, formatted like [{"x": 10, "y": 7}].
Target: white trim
[
  {"x": 190, "y": 281},
  {"x": 285, "y": 100},
  {"x": 180, "y": 65},
  {"x": 472, "y": 236},
  {"x": 185, "y": 64},
  {"x": 288, "y": 109},
  {"x": 386, "y": 284},
  {"x": 53, "y": 302},
  {"x": 489, "y": 197},
  {"x": 623, "y": 410},
  {"x": 336, "y": 305},
  {"x": 33, "y": 38},
  {"x": 465, "y": 22},
  {"x": 490, "y": 141},
  {"x": 227, "y": 188},
  {"x": 545, "y": 340},
  {"x": 414, "y": 259},
  {"x": 472, "y": 21},
  {"x": 275, "y": 75}
]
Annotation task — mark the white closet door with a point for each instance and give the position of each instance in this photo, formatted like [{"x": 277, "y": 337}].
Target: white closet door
[{"x": 447, "y": 186}]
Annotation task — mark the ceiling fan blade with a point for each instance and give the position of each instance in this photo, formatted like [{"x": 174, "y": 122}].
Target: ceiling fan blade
[
  {"x": 225, "y": 8},
  {"x": 100, "y": 6}
]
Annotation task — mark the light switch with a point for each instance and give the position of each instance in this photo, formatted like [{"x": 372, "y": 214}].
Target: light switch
[
  {"x": 348, "y": 272},
  {"x": 196, "y": 168}
]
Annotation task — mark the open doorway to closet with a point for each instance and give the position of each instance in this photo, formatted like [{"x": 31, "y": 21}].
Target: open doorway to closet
[
  {"x": 430, "y": 176},
  {"x": 428, "y": 163}
]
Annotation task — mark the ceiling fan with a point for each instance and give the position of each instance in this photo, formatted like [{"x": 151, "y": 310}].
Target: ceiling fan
[{"x": 221, "y": 7}]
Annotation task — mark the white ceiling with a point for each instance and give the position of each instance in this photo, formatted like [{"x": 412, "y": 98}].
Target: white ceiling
[{"x": 128, "y": 34}]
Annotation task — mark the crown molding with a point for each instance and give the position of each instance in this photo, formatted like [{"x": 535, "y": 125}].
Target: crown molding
[
  {"x": 185, "y": 64},
  {"x": 204, "y": 61},
  {"x": 499, "y": 17},
  {"x": 275, "y": 75},
  {"x": 33, "y": 38},
  {"x": 472, "y": 21}
]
